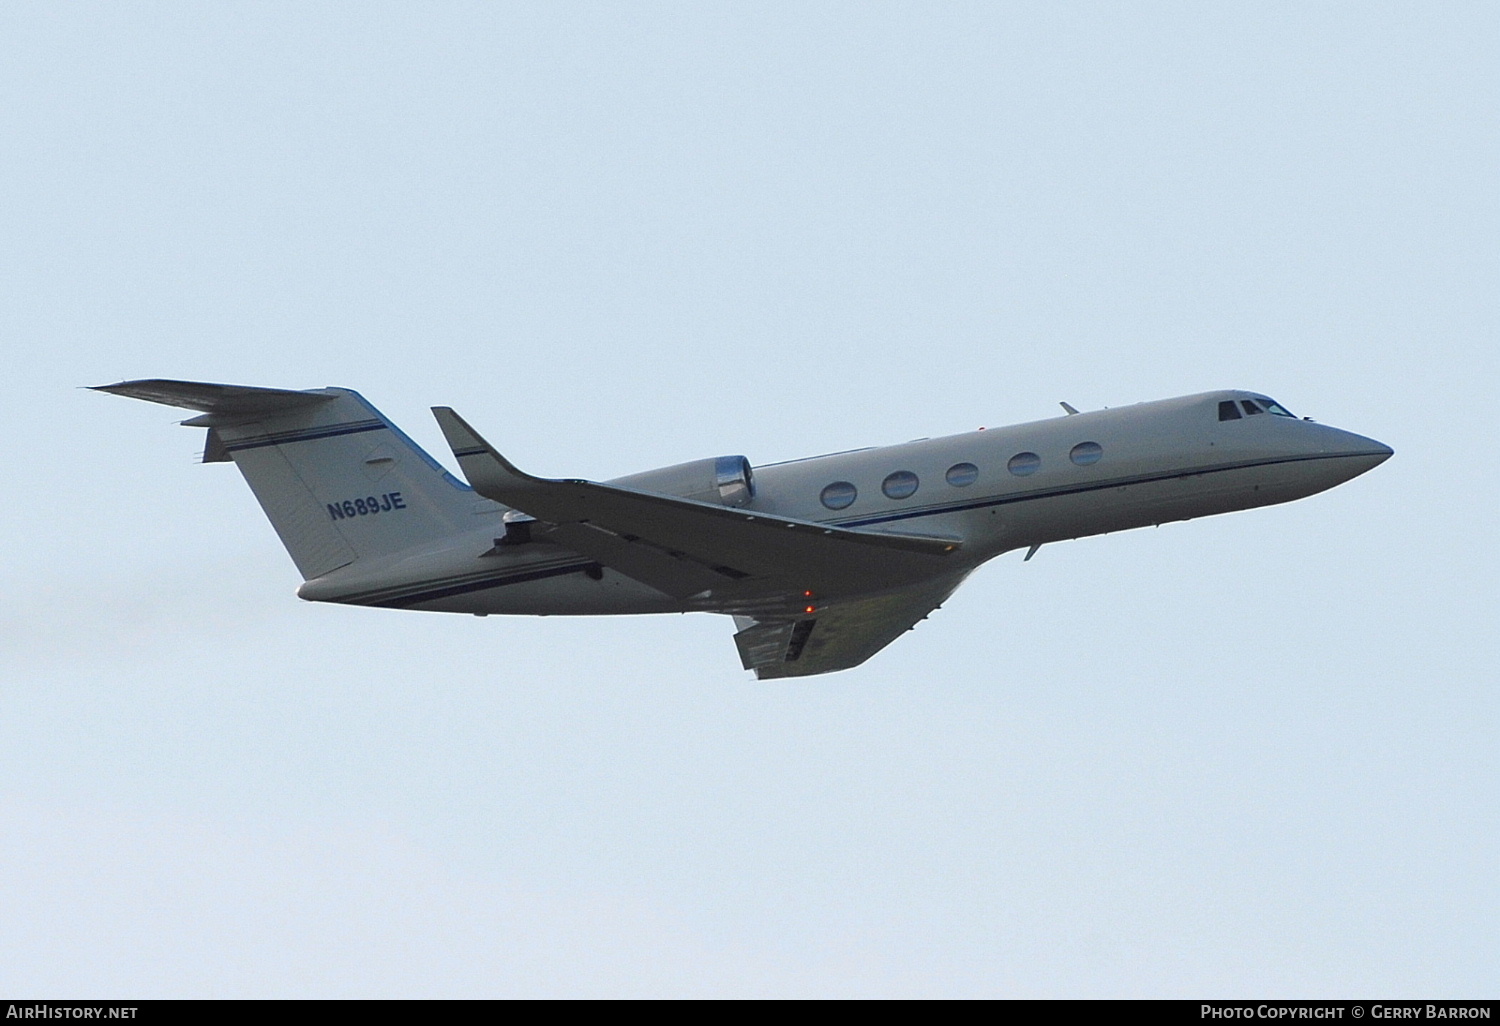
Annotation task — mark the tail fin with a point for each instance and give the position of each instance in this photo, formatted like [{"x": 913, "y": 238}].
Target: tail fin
[{"x": 338, "y": 480}]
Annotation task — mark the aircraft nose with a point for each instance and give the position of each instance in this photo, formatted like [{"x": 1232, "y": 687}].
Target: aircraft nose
[
  {"x": 1357, "y": 453},
  {"x": 1359, "y": 445}
]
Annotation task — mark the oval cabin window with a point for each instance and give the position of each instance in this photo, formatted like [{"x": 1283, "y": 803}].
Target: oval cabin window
[
  {"x": 1086, "y": 454},
  {"x": 900, "y": 485},
  {"x": 1023, "y": 463},
  {"x": 839, "y": 495},
  {"x": 961, "y": 475}
]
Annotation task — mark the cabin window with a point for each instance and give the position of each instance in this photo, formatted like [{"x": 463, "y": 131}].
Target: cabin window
[
  {"x": 1086, "y": 454},
  {"x": 1228, "y": 411},
  {"x": 1251, "y": 408},
  {"x": 961, "y": 475},
  {"x": 1024, "y": 463},
  {"x": 900, "y": 485},
  {"x": 839, "y": 495}
]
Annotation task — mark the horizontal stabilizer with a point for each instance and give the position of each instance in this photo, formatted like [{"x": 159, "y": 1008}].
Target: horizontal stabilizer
[{"x": 210, "y": 398}]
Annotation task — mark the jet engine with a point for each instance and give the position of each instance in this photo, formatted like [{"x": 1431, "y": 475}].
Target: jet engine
[{"x": 721, "y": 480}]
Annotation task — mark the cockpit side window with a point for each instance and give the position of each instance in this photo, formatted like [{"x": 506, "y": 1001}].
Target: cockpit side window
[
  {"x": 1250, "y": 407},
  {"x": 1227, "y": 410}
]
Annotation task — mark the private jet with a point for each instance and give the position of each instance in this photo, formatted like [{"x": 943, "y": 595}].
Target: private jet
[{"x": 822, "y": 562}]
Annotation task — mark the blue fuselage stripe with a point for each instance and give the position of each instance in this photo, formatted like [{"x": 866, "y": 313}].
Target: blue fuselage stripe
[{"x": 518, "y": 577}]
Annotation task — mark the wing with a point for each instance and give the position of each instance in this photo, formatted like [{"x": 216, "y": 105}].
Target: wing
[
  {"x": 841, "y": 634},
  {"x": 684, "y": 547}
]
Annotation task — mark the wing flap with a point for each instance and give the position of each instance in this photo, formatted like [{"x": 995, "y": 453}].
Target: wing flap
[
  {"x": 802, "y": 553},
  {"x": 764, "y": 644}
]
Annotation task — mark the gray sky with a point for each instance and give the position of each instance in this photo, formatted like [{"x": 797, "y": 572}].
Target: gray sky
[{"x": 1253, "y": 754}]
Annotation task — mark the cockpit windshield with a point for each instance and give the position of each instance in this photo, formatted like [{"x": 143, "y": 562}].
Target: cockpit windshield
[
  {"x": 1271, "y": 406},
  {"x": 1230, "y": 410}
]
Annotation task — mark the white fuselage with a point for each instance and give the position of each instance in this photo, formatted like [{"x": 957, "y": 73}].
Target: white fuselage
[{"x": 1137, "y": 466}]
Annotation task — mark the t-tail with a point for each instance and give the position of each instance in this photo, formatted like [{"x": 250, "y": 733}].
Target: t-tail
[{"x": 338, "y": 480}]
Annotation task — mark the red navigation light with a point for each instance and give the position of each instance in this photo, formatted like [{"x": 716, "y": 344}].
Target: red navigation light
[{"x": 810, "y": 609}]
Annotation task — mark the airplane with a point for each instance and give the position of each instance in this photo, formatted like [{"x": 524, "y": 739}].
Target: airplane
[{"x": 822, "y": 562}]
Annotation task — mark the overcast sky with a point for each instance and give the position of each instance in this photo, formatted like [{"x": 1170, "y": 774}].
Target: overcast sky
[{"x": 1252, "y": 754}]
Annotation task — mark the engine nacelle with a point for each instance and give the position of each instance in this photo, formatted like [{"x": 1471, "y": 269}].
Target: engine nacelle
[{"x": 721, "y": 480}]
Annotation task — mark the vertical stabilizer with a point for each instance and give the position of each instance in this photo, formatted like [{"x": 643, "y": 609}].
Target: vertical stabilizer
[{"x": 338, "y": 481}]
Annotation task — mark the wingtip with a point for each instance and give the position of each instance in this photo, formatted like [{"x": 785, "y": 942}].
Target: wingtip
[
  {"x": 456, "y": 431},
  {"x": 466, "y": 442}
]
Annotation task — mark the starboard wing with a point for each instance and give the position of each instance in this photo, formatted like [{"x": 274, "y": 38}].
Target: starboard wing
[{"x": 684, "y": 547}]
